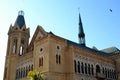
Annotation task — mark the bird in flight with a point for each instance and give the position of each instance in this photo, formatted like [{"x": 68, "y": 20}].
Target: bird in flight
[{"x": 110, "y": 10}]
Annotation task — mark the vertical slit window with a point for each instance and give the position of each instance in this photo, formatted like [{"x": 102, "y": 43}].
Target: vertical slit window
[
  {"x": 78, "y": 67},
  {"x": 59, "y": 59},
  {"x": 42, "y": 61},
  {"x": 75, "y": 66}
]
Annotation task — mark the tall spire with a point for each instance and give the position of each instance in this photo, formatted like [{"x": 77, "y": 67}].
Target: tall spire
[
  {"x": 81, "y": 34},
  {"x": 20, "y": 21}
]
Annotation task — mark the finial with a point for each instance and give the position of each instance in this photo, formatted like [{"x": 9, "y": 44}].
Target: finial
[{"x": 21, "y": 13}]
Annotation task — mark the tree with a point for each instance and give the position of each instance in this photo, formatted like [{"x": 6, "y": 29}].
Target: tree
[{"x": 34, "y": 75}]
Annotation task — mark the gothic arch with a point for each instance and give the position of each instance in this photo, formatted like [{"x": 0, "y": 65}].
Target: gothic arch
[{"x": 98, "y": 69}]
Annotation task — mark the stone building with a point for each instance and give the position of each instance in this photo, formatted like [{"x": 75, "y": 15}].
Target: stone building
[{"x": 56, "y": 57}]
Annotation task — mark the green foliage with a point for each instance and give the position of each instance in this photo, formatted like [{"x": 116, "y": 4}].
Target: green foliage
[{"x": 34, "y": 75}]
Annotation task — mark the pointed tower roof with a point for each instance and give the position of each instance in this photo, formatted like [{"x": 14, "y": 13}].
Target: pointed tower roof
[
  {"x": 81, "y": 34},
  {"x": 20, "y": 21},
  {"x": 81, "y": 31}
]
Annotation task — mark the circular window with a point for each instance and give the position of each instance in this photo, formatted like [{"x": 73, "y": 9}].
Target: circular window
[{"x": 41, "y": 49}]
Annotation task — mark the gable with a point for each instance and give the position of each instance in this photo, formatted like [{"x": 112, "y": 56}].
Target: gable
[
  {"x": 39, "y": 36},
  {"x": 39, "y": 33}
]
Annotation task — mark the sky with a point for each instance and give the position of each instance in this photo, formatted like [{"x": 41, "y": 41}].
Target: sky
[{"x": 101, "y": 26}]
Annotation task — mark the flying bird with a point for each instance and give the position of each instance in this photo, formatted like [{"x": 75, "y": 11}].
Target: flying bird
[{"x": 110, "y": 10}]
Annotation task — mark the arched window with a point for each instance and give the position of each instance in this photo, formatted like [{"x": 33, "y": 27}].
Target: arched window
[
  {"x": 108, "y": 73},
  {"x": 75, "y": 66},
  {"x": 14, "y": 46},
  {"x": 24, "y": 72},
  {"x": 29, "y": 67},
  {"x": 89, "y": 69},
  {"x": 97, "y": 69},
  {"x": 16, "y": 73},
  {"x": 32, "y": 67},
  {"x": 40, "y": 61},
  {"x": 19, "y": 73},
  {"x": 85, "y": 68},
  {"x": 82, "y": 67},
  {"x": 92, "y": 70},
  {"x": 21, "y": 50},
  {"x": 112, "y": 74},
  {"x": 105, "y": 72},
  {"x": 78, "y": 67},
  {"x": 57, "y": 58}
]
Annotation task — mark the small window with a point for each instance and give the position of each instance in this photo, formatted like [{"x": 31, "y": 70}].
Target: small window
[
  {"x": 41, "y": 49},
  {"x": 58, "y": 47}
]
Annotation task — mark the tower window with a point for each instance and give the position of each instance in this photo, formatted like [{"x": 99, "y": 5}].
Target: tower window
[
  {"x": 21, "y": 51},
  {"x": 14, "y": 46}
]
